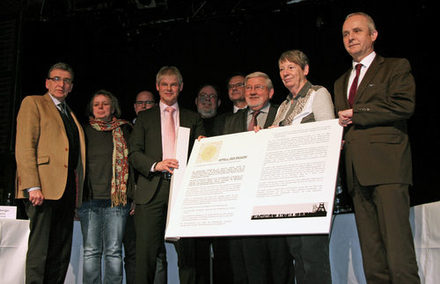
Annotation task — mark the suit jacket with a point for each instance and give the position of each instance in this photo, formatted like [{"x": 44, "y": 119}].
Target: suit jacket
[
  {"x": 376, "y": 144},
  {"x": 238, "y": 121},
  {"x": 42, "y": 149},
  {"x": 214, "y": 125},
  {"x": 146, "y": 147}
]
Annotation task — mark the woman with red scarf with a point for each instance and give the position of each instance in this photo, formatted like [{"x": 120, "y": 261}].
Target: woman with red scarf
[{"x": 105, "y": 208}]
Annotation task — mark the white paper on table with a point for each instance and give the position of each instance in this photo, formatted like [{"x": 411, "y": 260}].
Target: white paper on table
[
  {"x": 8, "y": 212},
  {"x": 273, "y": 182}
]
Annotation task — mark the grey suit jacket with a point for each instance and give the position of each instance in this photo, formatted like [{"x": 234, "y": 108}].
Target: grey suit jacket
[
  {"x": 376, "y": 144},
  {"x": 146, "y": 148}
]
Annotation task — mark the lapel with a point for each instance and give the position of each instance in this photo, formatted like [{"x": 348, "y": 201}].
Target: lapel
[
  {"x": 369, "y": 75},
  {"x": 243, "y": 118},
  {"x": 270, "y": 115},
  {"x": 344, "y": 90},
  {"x": 54, "y": 113},
  {"x": 183, "y": 118},
  {"x": 155, "y": 119},
  {"x": 78, "y": 124}
]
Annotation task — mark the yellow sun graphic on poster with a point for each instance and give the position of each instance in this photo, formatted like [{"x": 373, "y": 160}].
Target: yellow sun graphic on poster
[{"x": 209, "y": 152}]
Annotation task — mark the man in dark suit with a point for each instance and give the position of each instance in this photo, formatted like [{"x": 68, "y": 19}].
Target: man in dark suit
[
  {"x": 207, "y": 103},
  {"x": 50, "y": 155},
  {"x": 144, "y": 100},
  {"x": 257, "y": 259},
  {"x": 236, "y": 92},
  {"x": 373, "y": 101},
  {"x": 258, "y": 100},
  {"x": 154, "y": 159}
]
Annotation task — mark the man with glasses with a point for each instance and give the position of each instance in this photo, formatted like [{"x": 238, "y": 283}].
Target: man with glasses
[
  {"x": 257, "y": 259},
  {"x": 207, "y": 103},
  {"x": 144, "y": 100},
  {"x": 236, "y": 92},
  {"x": 50, "y": 155}
]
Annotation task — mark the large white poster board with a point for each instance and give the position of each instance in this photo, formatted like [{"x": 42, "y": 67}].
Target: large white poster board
[{"x": 275, "y": 181}]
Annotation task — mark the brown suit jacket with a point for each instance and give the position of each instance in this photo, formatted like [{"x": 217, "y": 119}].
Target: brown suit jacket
[
  {"x": 376, "y": 144},
  {"x": 42, "y": 149}
]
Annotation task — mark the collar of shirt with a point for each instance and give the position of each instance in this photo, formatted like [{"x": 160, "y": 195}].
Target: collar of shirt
[
  {"x": 301, "y": 93},
  {"x": 366, "y": 62},
  {"x": 235, "y": 109},
  {"x": 163, "y": 106},
  {"x": 55, "y": 101},
  {"x": 264, "y": 109},
  {"x": 262, "y": 116}
]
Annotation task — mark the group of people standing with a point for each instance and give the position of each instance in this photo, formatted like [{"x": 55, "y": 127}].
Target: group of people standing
[{"x": 117, "y": 173}]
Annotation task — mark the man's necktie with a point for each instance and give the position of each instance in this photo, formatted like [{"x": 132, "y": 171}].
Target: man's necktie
[
  {"x": 253, "y": 120},
  {"x": 170, "y": 134},
  {"x": 354, "y": 85},
  {"x": 63, "y": 108}
]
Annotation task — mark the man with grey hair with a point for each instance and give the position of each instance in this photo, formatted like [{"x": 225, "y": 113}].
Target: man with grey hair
[
  {"x": 305, "y": 103},
  {"x": 152, "y": 155},
  {"x": 373, "y": 100},
  {"x": 50, "y": 155},
  {"x": 257, "y": 259}
]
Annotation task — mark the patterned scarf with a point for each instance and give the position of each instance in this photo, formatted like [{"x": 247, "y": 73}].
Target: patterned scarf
[
  {"x": 291, "y": 107},
  {"x": 119, "y": 158}
]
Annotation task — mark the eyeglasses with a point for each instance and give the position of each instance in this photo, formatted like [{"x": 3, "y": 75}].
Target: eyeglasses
[
  {"x": 139, "y": 103},
  {"x": 256, "y": 87},
  {"x": 204, "y": 96},
  {"x": 236, "y": 85},
  {"x": 57, "y": 79}
]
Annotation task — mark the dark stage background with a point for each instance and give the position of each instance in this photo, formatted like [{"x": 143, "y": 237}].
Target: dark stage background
[{"x": 119, "y": 45}]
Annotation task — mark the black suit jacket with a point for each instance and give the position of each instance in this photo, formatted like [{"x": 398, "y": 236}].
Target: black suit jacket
[
  {"x": 146, "y": 148},
  {"x": 238, "y": 121},
  {"x": 376, "y": 144}
]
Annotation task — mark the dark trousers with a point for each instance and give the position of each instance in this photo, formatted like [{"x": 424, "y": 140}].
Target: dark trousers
[
  {"x": 203, "y": 259},
  {"x": 311, "y": 255},
  {"x": 129, "y": 242},
  {"x": 382, "y": 220},
  {"x": 150, "y": 222},
  {"x": 236, "y": 255},
  {"x": 267, "y": 259},
  {"x": 50, "y": 238},
  {"x": 222, "y": 267}
]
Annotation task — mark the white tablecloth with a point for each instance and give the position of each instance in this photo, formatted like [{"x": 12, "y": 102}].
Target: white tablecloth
[
  {"x": 425, "y": 221},
  {"x": 345, "y": 255},
  {"x": 13, "y": 246}
]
